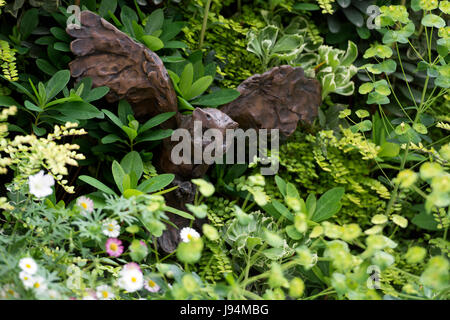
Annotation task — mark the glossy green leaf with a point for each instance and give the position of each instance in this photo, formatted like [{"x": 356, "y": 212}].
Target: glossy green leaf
[
  {"x": 57, "y": 83},
  {"x": 97, "y": 184},
  {"x": 118, "y": 174},
  {"x": 186, "y": 79},
  {"x": 152, "y": 42},
  {"x": 79, "y": 110},
  {"x": 156, "y": 183},
  {"x": 432, "y": 20},
  {"x": 132, "y": 162},
  {"x": 157, "y": 120},
  {"x": 198, "y": 87},
  {"x": 328, "y": 204}
]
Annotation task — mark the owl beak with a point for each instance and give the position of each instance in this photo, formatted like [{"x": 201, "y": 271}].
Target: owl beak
[{"x": 233, "y": 124}]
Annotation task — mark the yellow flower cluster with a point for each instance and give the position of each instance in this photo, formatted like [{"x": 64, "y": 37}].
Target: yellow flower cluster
[
  {"x": 5, "y": 162},
  {"x": 421, "y": 148},
  {"x": 444, "y": 32},
  {"x": 351, "y": 140},
  {"x": 6, "y": 112},
  {"x": 428, "y": 4},
  {"x": 326, "y": 6},
  {"x": 29, "y": 153},
  {"x": 4, "y": 205},
  {"x": 7, "y": 60},
  {"x": 443, "y": 125}
]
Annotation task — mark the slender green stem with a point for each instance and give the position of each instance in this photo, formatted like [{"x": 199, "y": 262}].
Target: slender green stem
[
  {"x": 408, "y": 296},
  {"x": 322, "y": 293},
  {"x": 247, "y": 267},
  {"x": 251, "y": 295},
  {"x": 205, "y": 22},
  {"x": 168, "y": 256},
  {"x": 415, "y": 50},
  {"x": 420, "y": 192},
  {"x": 245, "y": 201},
  {"x": 266, "y": 274},
  {"x": 404, "y": 75},
  {"x": 396, "y": 99},
  {"x": 156, "y": 250}
]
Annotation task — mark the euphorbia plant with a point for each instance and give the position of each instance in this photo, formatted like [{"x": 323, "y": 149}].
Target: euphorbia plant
[{"x": 397, "y": 30}]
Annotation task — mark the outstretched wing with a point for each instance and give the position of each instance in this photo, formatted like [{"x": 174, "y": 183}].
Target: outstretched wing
[
  {"x": 130, "y": 70},
  {"x": 277, "y": 99}
]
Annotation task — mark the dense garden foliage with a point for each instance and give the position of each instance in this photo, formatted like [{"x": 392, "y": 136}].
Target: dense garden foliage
[{"x": 360, "y": 208}]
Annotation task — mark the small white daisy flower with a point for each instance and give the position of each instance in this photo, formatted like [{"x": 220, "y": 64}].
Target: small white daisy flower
[
  {"x": 39, "y": 284},
  {"x": 104, "y": 292},
  {"x": 40, "y": 185},
  {"x": 54, "y": 295},
  {"x": 27, "y": 279},
  {"x": 187, "y": 234},
  {"x": 28, "y": 265},
  {"x": 131, "y": 279},
  {"x": 86, "y": 205},
  {"x": 151, "y": 286},
  {"x": 111, "y": 228},
  {"x": 8, "y": 292}
]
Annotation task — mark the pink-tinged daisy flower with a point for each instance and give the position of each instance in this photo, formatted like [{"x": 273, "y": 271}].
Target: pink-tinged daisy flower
[
  {"x": 114, "y": 247},
  {"x": 90, "y": 294},
  {"x": 86, "y": 205},
  {"x": 132, "y": 266},
  {"x": 151, "y": 286},
  {"x": 131, "y": 278}
]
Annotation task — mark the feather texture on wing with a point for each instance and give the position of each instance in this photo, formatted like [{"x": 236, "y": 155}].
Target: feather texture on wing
[{"x": 131, "y": 71}]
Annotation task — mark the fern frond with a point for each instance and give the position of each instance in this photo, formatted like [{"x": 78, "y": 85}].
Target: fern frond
[{"x": 7, "y": 60}]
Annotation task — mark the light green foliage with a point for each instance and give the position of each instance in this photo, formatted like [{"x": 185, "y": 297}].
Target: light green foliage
[
  {"x": 129, "y": 132},
  {"x": 332, "y": 67},
  {"x": 318, "y": 163},
  {"x": 226, "y": 36},
  {"x": 267, "y": 45},
  {"x": 27, "y": 154},
  {"x": 358, "y": 210},
  {"x": 398, "y": 29},
  {"x": 215, "y": 263},
  {"x": 220, "y": 210},
  {"x": 275, "y": 45}
]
